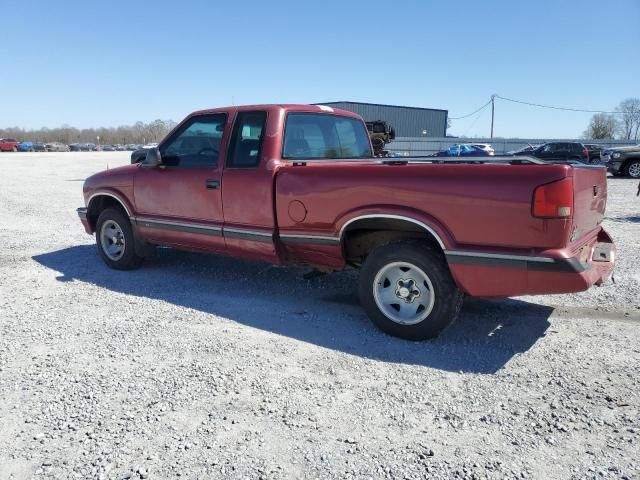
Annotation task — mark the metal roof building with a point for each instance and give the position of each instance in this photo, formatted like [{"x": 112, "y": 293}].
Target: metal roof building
[{"x": 408, "y": 121}]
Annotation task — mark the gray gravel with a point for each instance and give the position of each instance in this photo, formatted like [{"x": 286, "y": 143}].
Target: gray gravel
[{"x": 198, "y": 366}]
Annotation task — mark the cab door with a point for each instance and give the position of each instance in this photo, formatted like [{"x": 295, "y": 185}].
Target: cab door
[
  {"x": 180, "y": 201},
  {"x": 247, "y": 191}
]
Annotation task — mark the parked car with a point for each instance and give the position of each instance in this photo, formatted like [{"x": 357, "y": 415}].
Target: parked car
[
  {"x": 622, "y": 160},
  {"x": 108, "y": 148},
  {"x": 119, "y": 148},
  {"x": 486, "y": 147},
  {"x": 82, "y": 147},
  {"x": 8, "y": 145},
  {"x": 561, "y": 151},
  {"x": 463, "y": 150},
  {"x": 38, "y": 147},
  {"x": 57, "y": 147},
  {"x": 131, "y": 147},
  {"x": 524, "y": 150},
  {"x": 423, "y": 233},
  {"x": 25, "y": 146},
  {"x": 594, "y": 152}
]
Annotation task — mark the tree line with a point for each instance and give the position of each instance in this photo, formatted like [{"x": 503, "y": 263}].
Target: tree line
[
  {"x": 139, "y": 132},
  {"x": 623, "y": 125}
]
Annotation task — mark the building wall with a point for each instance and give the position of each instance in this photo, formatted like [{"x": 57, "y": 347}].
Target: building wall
[{"x": 407, "y": 121}]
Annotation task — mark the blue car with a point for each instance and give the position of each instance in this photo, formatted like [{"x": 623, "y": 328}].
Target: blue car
[
  {"x": 464, "y": 150},
  {"x": 25, "y": 147}
]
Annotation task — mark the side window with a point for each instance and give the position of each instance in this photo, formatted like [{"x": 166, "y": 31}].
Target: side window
[
  {"x": 196, "y": 144},
  {"x": 246, "y": 140},
  {"x": 311, "y": 136}
]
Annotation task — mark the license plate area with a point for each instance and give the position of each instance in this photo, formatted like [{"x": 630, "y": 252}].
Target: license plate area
[{"x": 601, "y": 252}]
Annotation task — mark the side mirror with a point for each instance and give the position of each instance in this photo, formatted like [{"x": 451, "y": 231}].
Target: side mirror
[{"x": 153, "y": 158}]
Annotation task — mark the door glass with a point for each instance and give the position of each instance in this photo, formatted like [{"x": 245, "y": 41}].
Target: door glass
[
  {"x": 196, "y": 144},
  {"x": 246, "y": 141}
]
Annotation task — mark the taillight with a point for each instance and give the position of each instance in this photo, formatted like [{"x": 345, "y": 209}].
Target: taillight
[{"x": 553, "y": 200}]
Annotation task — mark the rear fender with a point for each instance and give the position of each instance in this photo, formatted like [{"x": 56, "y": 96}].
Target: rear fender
[{"x": 415, "y": 217}]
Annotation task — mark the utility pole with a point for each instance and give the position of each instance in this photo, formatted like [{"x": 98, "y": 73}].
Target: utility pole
[{"x": 493, "y": 109}]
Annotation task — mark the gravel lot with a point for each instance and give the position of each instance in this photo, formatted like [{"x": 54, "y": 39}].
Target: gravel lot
[{"x": 204, "y": 367}]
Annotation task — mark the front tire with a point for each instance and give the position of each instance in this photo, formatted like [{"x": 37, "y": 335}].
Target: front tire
[
  {"x": 407, "y": 291},
  {"x": 115, "y": 240},
  {"x": 632, "y": 169}
]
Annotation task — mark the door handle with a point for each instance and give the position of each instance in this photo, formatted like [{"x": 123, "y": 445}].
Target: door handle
[{"x": 213, "y": 184}]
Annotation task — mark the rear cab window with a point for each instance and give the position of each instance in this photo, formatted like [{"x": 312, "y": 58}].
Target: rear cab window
[
  {"x": 320, "y": 136},
  {"x": 246, "y": 141}
]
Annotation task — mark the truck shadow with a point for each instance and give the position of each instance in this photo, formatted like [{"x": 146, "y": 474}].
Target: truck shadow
[{"x": 323, "y": 311}]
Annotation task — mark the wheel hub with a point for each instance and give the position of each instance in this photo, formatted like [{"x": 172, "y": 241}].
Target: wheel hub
[
  {"x": 407, "y": 290},
  {"x": 113, "y": 240},
  {"x": 403, "y": 292}
]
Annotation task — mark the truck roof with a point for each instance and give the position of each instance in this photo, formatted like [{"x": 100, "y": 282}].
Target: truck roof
[{"x": 280, "y": 108}]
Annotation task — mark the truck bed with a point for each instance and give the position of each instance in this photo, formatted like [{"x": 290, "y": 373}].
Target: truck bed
[{"x": 469, "y": 205}]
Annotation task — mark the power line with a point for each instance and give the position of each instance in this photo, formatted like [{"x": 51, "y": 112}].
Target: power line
[
  {"x": 557, "y": 108},
  {"x": 480, "y": 114},
  {"x": 472, "y": 113}
]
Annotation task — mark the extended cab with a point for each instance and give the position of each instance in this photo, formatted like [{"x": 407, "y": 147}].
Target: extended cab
[{"x": 298, "y": 184}]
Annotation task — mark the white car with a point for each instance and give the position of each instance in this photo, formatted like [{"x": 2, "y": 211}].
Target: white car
[{"x": 486, "y": 147}]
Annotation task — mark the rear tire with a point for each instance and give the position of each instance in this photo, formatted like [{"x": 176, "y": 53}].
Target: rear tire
[
  {"x": 632, "y": 169},
  {"x": 407, "y": 291},
  {"x": 115, "y": 240}
]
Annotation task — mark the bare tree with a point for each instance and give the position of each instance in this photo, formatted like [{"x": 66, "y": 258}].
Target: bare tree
[
  {"x": 158, "y": 129},
  {"x": 601, "y": 126},
  {"x": 629, "y": 118},
  {"x": 138, "y": 133}
]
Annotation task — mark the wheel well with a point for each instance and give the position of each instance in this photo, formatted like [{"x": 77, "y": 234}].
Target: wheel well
[
  {"x": 100, "y": 203},
  {"x": 363, "y": 236}
]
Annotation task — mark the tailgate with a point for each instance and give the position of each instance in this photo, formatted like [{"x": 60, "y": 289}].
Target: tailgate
[{"x": 589, "y": 199}]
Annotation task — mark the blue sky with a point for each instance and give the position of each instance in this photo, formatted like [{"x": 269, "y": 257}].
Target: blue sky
[{"x": 87, "y": 63}]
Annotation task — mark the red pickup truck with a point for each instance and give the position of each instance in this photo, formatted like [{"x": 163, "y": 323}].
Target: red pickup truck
[
  {"x": 298, "y": 184},
  {"x": 8, "y": 145}
]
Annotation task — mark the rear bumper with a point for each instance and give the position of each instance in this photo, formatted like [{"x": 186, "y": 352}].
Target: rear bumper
[
  {"x": 561, "y": 271},
  {"x": 82, "y": 214}
]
